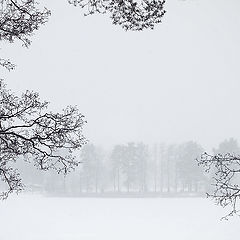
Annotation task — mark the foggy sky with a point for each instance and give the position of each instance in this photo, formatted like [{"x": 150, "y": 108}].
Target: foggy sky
[{"x": 177, "y": 83}]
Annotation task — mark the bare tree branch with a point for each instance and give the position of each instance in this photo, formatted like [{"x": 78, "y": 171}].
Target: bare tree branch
[
  {"x": 129, "y": 14},
  {"x": 27, "y": 130},
  {"x": 226, "y": 176},
  {"x": 19, "y": 19},
  {"x": 7, "y": 64}
]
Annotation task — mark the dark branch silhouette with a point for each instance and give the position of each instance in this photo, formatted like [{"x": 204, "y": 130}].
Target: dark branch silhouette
[
  {"x": 30, "y": 133},
  {"x": 226, "y": 176},
  {"x": 7, "y": 64},
  {"x": 18, "y": 20},
  {"x": 127, "y": 13}
]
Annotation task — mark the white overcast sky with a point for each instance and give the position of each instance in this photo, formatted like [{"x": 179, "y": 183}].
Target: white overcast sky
[{"x": 176, "y": 83}]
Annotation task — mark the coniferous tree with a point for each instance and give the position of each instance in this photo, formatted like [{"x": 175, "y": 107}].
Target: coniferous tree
[{"x": 188, "y": 172}]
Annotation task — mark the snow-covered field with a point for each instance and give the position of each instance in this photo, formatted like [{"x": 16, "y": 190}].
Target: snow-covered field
[{"x": 34, "y": 217}]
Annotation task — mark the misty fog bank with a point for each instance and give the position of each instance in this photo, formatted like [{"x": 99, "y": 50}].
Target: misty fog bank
[{"x": 129, "y": 171}]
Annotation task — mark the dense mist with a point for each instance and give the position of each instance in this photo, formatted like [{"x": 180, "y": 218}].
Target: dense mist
[{"x": 113, "y": 134}]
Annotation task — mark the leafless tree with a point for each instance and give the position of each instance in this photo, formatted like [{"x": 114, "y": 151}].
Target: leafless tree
[
  {"x": 226, "y": 175},
  {"x": 18, "y": 20},
  {"x": 29, "y": 132},
  {"x": 129, "y": 14}
]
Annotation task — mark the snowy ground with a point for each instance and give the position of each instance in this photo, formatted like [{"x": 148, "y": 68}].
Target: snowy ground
[{"x": 41, "y": 218}]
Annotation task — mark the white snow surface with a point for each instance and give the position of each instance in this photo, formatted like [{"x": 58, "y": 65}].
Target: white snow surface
[{"x": 32, "y": 217}]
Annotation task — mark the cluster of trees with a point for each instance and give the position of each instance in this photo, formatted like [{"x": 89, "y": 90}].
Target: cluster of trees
[
  {"x": 137, "y": 167},
  {"x": 133, "y": 168},
  {"x": 158, "y": 168}
]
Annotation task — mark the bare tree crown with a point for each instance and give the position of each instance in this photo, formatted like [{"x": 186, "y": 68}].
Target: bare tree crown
[
  {"x": 225, "y": 169},
  {"x": 129, "y": 14},
  {"x": 27, "y": 130},
  {"x": 19, "y": 19}
]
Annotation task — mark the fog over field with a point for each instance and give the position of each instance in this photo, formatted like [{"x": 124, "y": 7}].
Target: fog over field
[{"x": 162, "y": 126}]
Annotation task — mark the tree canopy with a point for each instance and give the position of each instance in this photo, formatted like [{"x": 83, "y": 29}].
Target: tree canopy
[
  {"x": 19, "y": 19},
  {"x": 129, "y": 14}
]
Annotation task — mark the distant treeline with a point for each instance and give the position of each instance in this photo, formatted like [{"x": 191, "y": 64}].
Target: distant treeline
[{"x": 133, "y": 169}]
